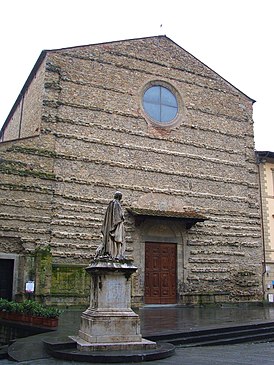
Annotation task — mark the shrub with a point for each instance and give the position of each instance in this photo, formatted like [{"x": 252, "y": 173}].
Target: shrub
[{"x": 29, "y": 307}]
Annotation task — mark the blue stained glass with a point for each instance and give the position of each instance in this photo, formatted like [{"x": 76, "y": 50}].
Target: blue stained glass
[
  {"x": 160, "y": 104},
  {"x": 168, "y": 113},
  {"x": 153, "y": 110},
  {"x": 167, "y": 98},
  {"x": 152, "y": 95}
]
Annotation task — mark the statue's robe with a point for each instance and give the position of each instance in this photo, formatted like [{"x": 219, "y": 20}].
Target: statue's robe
[{"x": 113, "y": 241}]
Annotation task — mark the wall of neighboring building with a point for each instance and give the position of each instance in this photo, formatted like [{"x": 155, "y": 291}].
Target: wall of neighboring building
[
  {"x": 26, "y": 118},
  {"x": 266, "y": 167},
  {"x": 95, "y": 139}
]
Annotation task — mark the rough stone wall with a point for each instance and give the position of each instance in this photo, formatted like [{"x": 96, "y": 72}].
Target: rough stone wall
[
  {"x": 26, "y": 119},
  {"x": 12, "y": 131},
  {"x": 26, "y": 185},
  {"x": 95, "y": 139}
]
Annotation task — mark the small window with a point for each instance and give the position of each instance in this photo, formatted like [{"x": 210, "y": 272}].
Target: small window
[{"x": 160, "y": 104}]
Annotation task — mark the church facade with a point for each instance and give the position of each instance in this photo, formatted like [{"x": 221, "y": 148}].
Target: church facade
[{"x": 147, "y": 118}]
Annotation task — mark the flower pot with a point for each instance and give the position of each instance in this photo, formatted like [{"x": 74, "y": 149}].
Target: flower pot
[
  {"x": 4, "y": 314},
  {"x": 50, "y": 322},
  {"x": 37, "y": 320},
  {"x": 26, "y": 318},
  {"x": 9, "y": 316},
  {"x": 16, "y": 316}
]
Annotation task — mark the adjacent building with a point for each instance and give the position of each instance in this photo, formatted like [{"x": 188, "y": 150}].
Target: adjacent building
[
  {"x": 266, "y": 173},
  {"x": 145, "y": 117}
]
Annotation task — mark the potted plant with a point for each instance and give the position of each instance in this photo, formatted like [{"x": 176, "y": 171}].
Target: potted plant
[
  {"x": 29, "y": 311},
  {"x": 4, "y": 308},
  {"x": 7, "y": 307},
  {"x": 50, "y": 317},
  {"x": 37, "y": 313}
]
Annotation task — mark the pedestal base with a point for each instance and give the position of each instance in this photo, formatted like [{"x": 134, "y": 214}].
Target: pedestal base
[
  {"x": 109, "y": 330},
  {"x": 66, "y": 349},
  {"x": 110, "y": 326},
  {"x": 109, "y": 323},
  {"x": 83, "y": 345}
]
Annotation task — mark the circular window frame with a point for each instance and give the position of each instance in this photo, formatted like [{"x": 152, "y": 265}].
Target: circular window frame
[{"x": 178, "y": 118}]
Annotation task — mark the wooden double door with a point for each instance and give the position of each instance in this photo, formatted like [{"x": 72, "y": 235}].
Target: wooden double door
[{"x": 160, "y": 273}]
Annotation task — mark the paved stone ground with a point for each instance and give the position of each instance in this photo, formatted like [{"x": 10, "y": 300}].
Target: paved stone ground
[
  {"x": 165, "y": 320},
  {"x": 243, "y": 354}
]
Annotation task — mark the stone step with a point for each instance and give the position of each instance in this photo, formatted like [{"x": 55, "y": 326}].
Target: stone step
[
  {"x": 224, "y": 335},
  {"x": 67, "y": 350},
  {"x": 230, "y": 341}
]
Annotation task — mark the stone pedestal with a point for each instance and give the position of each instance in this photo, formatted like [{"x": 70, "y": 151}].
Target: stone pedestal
[{"x": 109, "y": 323}]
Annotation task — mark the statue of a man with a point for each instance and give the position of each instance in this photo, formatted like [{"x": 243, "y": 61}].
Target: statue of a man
[{"x": 113, "y": 241}]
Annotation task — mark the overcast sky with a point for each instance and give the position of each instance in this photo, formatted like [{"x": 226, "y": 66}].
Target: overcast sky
[{"x": 233, "y": 37}]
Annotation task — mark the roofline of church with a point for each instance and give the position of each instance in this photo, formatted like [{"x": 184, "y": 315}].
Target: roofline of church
[
  {"x": 44, "y": 53},
  {"x": 23, "y": 90}
]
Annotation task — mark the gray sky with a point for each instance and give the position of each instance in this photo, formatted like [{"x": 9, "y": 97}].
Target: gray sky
[{"x": 233, "y": 37}]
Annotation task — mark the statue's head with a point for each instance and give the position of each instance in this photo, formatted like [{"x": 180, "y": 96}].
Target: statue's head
[{"x": 118, "y": 195}]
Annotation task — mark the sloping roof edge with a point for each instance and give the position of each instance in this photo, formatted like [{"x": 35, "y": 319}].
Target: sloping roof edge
[
  {"x": 44, "y": 53},
  {"x": 248, "y": 97},
  {"x": 158, "y": 36},
  {"x": 23, "y": 90}
]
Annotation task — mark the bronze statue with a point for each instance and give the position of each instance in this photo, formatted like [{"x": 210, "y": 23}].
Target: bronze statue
[{"x": 113, "y": 242}]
